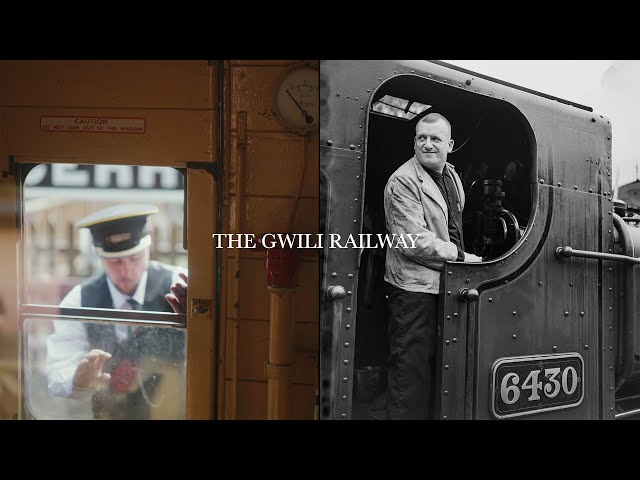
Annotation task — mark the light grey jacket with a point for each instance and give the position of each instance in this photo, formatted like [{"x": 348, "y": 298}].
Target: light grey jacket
[{"x": 413, "y": 204}]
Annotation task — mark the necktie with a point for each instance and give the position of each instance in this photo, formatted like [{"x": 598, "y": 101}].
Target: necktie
[
  {"x": 134, "y": 304},
  {"x": 124, "y": 373}
]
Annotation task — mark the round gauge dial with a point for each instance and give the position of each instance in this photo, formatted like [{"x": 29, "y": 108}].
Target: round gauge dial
[{"x": 297, "y": 101}]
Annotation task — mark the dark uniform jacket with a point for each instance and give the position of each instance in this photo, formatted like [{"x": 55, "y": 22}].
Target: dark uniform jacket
[{"x": 129, "y": 385}]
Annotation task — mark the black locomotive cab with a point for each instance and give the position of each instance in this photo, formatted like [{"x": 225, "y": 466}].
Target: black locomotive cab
[
  {"x": 527, "y": 332},
  {"x": 493, "y": 157}
]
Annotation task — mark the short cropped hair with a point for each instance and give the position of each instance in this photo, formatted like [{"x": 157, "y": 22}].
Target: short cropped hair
[{"x": 434, "y": 117}]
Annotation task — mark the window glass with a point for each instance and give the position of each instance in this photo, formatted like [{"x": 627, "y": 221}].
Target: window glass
[
  {"x": 58, "y": 255},
  {"x": 399, "y": 107},
  {"x": 103, "y": 237},
  {"x": 147, "y": 370}
]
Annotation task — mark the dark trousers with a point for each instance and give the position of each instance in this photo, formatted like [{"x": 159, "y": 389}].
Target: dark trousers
[{"x": 412, "y": 333}]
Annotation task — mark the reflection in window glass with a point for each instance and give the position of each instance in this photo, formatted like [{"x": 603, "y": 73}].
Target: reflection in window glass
[
  {"x": 146, "y": 368},
  {"x": 59, "y": 255},
  {"x": 110, "y": 237}
]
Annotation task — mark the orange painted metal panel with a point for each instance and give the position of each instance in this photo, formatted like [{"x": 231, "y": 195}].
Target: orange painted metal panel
[
  {"x": 254, "y": 338},
  {"x": 110, "y": 83},
  {"x": 253, "y": 399},
  {"x": 172, "y": 137}
]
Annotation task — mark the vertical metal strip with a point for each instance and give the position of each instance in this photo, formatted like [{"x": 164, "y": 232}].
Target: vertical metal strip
[
  {"x": 236, "y": 227},
  {"x": 471, "y": 297},
  {"x": 470, "y": 376},
  {"x": 222, "y": 137},
  {"x": 626, "y": 326}
]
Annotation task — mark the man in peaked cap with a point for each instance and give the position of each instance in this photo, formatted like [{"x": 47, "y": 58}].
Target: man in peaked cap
[{"x": 83, "y": 358}]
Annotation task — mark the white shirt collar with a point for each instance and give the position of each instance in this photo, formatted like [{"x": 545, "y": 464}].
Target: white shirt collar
[{"x": 120, "y": 299}]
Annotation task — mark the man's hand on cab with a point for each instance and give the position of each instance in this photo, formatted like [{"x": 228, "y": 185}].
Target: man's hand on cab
[{"x": 471, "y": 258}]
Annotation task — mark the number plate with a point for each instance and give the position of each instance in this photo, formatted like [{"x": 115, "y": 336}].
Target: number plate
[{"x": 536, "y": 383}]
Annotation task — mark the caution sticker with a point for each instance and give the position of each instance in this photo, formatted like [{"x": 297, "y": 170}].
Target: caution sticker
[{"x": 93, "y": 124}]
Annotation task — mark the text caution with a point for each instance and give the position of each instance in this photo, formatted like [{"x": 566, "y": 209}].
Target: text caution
[{"x": 93, "y": 124}]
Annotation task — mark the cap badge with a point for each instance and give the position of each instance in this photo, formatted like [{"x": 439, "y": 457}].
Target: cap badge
[{"x": 117, "y": 238}]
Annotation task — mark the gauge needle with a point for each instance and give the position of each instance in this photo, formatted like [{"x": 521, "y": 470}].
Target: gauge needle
[{"x": 307, "y": 118}]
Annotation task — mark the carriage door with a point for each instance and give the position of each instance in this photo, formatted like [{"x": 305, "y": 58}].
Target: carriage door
[{"x": 88, "y": 135}]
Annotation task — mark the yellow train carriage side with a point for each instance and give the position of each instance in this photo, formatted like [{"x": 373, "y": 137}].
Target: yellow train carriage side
[{"x": 251, "y": 347}]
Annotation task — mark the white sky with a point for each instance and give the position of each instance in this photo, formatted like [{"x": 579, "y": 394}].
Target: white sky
[{"x": 610, "y": 87}]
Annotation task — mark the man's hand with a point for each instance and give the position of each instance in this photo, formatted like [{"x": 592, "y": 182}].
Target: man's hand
[
  {"x": 178, "y": 296},
  {"x": 89, "y": 370},
  {"x": 471, "y": 258}
]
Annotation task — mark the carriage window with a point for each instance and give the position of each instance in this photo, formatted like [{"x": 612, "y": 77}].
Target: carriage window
[{"x": 102, "y": 244}]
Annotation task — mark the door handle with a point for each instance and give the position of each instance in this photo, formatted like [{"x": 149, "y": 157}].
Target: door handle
[
  {"x": 471, "y": 296},
  {"x": 335, "y": 294}
]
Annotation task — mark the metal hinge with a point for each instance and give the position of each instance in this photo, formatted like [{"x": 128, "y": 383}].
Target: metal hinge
[
  {"x": 210, "y": 167},
  {"x": 12, "y": 168}
]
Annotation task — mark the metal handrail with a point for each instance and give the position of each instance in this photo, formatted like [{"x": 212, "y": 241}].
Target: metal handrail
[
  {"x": 630, "y": 413},
  {"x": 628, "y": 324},
  {"x": 105, "y": 315},
  {"x": 568, "y": 252}
]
